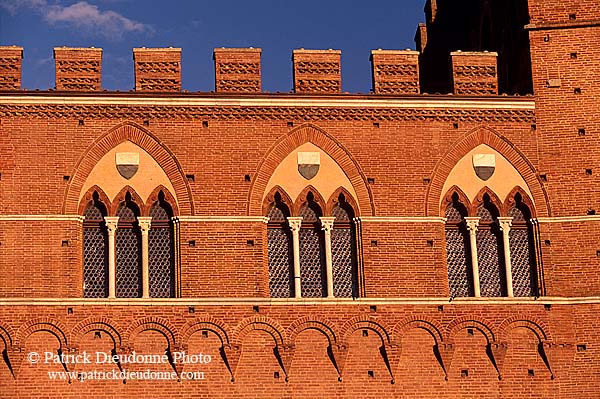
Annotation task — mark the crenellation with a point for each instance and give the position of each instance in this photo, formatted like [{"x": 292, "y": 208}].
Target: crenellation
[
  {"x": 395, "y": 71},
  {"x": 237, "y": 70},
  {"x": 317, "y": 71},
  {"x": 10, "y": 67},
  {"x": 402, "y": 243},
  {"x": 474, "y": 73},
  {"x": 78, "y": 69},
  {"x": 157, "y": 69}
]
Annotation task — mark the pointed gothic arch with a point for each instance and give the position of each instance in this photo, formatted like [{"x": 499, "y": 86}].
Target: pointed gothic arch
[
  {"x": 480, "y": 200},
  {"x": 154, "y": 198},
  {"x": 295, "y": 138},
  {"x": 493, "y": 139},
  {"x": 148, "y": 142}
]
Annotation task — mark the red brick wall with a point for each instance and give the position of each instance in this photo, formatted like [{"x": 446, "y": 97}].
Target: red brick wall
[
  {"x": 41, "y": 259},
  {"x": 397, "y": 155},
  {"x": 222, "y": 263},
  {"x": 302, "y": 335},
  {"x": 559, "y": 11},
  {"x": 399, "y": 261}
]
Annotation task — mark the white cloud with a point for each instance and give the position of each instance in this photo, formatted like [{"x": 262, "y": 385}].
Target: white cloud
[
  {"x": 82, "y": 16},
  {"x": 13, "y": 5}
]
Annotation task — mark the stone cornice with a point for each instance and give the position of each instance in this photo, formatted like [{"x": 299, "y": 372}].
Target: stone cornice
[
  {"x": 401, "y": 219},
  {"x": 264, "y": 107},
  {"x": 572, "y": 219},
  {"x": 563, "y": 24},
  {"x": 471, "y": 301},
  {"x": 263, "y": 219},
  {"x": 250, "y": 219},
  {"x": 41, "y": 218}
]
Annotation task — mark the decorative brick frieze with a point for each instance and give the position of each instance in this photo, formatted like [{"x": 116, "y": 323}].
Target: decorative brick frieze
[{"x": 267, "y": 113}]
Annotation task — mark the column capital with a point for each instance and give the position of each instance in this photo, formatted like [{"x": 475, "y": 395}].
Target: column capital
[
  {"x": 144, "y": 222},
  {"x": 295, "y": 223},
  {"x": 111, "y": 223},
  {"x": 472, "y": 223},
  {"x": 327, "y": 223},
  {"x": 505, "y": 223}
]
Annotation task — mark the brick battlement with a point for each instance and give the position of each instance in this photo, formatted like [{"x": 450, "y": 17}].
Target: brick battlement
[{"x": 238, "y": 70}]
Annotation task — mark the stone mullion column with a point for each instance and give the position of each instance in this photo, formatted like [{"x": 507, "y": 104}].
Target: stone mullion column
[
  {"x": 327, "y": 226},
  {"x": 176, "y": 257},
  {"x": 295, "y": 223},
  {"x": 111, "y": 226},
  {"x": 144, "y": 223},
  {"x": 505, "y": 224},
  {"x": 472, "y": 223}
]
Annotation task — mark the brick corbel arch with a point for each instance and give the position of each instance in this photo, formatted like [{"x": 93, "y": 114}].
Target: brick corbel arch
[
  {"x": 423, "y": 323},
  {"x": 491, "y": 138},
  {"x": 368, "y": 323},
  {"x": 207, "y": 323},
  {"x": 538, "y": 327},
  {"x": 52, "y": 326},
  {"x": 313, "y": 322},
  {"x": 96, "y": 324},
  {"x": 161, "y": 325},
  {"x": 294, "y": 139},
  {"x": 262, "y": 323},
  {"x": 468, "y": 322},
  {"x": 145, "y": 140}
]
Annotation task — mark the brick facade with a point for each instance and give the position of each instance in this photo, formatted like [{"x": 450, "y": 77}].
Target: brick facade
[{"x": 401, "y": 162}]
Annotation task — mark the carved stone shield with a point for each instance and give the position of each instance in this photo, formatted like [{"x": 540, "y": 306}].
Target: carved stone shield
[
  {"x": 484, "y": 165},
  {"x": 308, "y": 164},
  {"x": 127, "y": 163}
]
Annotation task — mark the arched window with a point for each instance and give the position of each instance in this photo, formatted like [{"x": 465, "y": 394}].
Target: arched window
[
  {"x": 161, "y": 265},
  {"x": 522, "y": 253},
  {"x": 458, "y": 249},
  {"x": 280, "y": 249},
  {"x": 95, "y": 250},
  {"x": 128, "y": 251},
  {"x": 490, "y": 252},
  {"x": 343, "y": 249},
  {"x": 312, "y": 254}
]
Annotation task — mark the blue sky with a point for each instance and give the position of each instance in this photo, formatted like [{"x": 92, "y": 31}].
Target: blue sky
[{"x": 278, "y": 27}]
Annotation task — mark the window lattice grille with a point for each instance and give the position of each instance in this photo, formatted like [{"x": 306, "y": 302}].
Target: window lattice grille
[
  {"x": 517, "y": 215},
  {"x": 457, "y": 254},
  {"x": 453, "y": 215},
  {"x": 489, "y": 263},
  {"x": 343, "y": 262},
  {"x": 125, "y": 213},
  {"x": 276, "y": 215},
  {"x": 520, "y": 255},
  {"x": 93, "y": 214},
  {"x": 458, "y": 270},
  {"x": 95, "y": 263},
  {"x": 158, "y": 212},
  {"x": 280, "y": 264},
  {"x": 160, "y": 253},
  {"x": 128, "y": 271},
  {"x": 484, "y": 214},
  {"x": 308, "y": 214},
  {"x": 340, "y": 214},
  {"x": 160, "y": 261},
  {"x": 521, "y": 262},
  {"x": 311, "y": 263}
]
